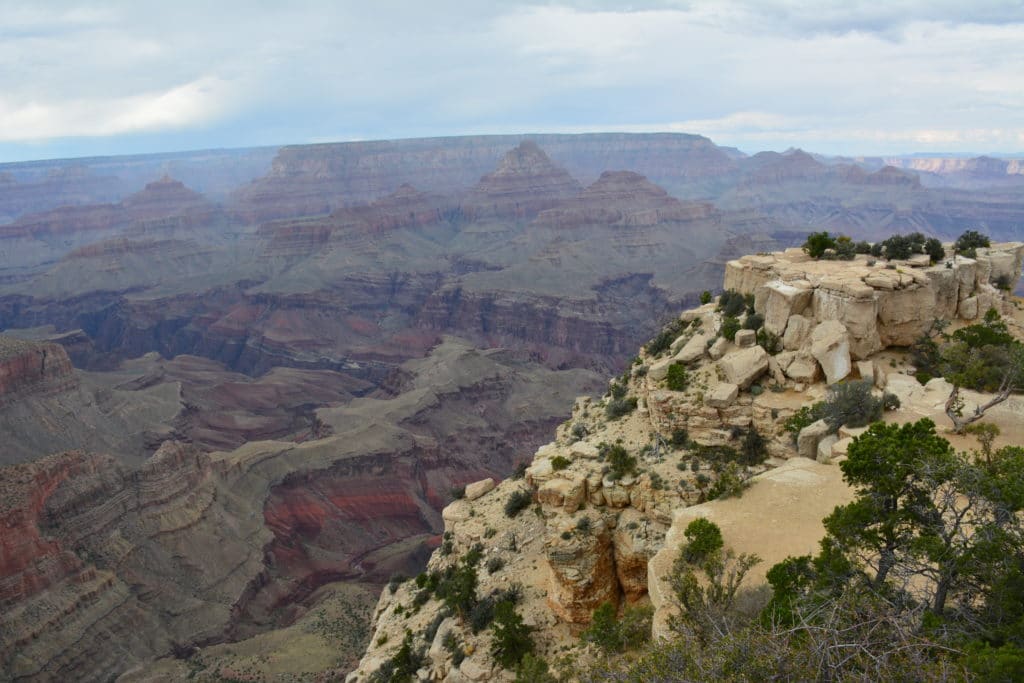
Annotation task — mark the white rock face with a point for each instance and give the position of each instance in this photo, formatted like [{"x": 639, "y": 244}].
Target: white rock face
[
  {"x": 745, "y": 338},
  {"x": 866, "y": 368},
  {"x": 479, "y": 488},
  {"x": 809, "y": 437},
  {"x": 723, "y": 395},
  {"x": 718, "y": 348},
  {"x": 743, "y": 367},
  {"x": 693, "y": 349},
  {"x": 797, "y": 332},
  {"x": 830, "y": 346},
  {"x": 825, "y": 447},
  {"x": 659, "y": 369},
  {"x": 783, "y": 302}
]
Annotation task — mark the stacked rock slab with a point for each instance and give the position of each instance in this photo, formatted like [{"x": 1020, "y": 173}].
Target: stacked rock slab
[{"x": 880, "y": 303}]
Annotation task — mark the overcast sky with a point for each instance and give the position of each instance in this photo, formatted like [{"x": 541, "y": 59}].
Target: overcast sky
[{"x": 836, "y": 76}]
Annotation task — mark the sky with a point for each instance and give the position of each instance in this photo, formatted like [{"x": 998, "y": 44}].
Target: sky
[{"x": 845, "y": 77}]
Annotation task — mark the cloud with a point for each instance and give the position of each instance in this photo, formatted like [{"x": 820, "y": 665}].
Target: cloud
[
  {"x": 194, "y": 103},
  {"x": 832, "y": 75}
]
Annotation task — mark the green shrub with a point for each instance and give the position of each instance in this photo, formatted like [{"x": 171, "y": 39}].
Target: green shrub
[
  {"x": 680, "y": 438},
  {"x": 730, "y": 483},
  {"x": 1003, "y": 282},
  {"x": 845, "y": 249},
  {"x": 533, "y": 670},
  {"x": 494, "y": 565},
  {"x": 512, "y": 639},
  {"x": 617, "y": 407},
  {"x": 754, "y": 449},
  {"x": 668, "y": 334},
  {"x": 732, "y": 303},
  {"x": 579, "y": 430},
  {"x": 862, "y": 247},
  {"x": 804, "y": 417},
  {"x": 584, "y": 525},
  {"x": 769, "y": 341},
  {"x": 967, "y": 244},
  {"x": 677, "y": 379},
  {"x": 851, "y": 404},
  {"x": 817, "y": 243},
  {"x": 560, "y": 462},
  {"x": 402, "y": 666},
  {"x": 754, "y": 321},
  {"x": 705, "y": 297},
  {"x": 933, "y": 248},
  {"x": 730, "y": 326},
  {"x": 620, "y": 461},
  {"x": 517, "y": 502}
]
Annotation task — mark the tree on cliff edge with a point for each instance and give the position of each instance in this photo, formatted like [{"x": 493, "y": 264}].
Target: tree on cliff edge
[{"x": 982, "y": 357}]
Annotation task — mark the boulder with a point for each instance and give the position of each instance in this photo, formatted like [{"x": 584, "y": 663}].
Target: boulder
[
  {"x": 866, "y": 368},
  {"x": 802, "y": 368},
  {"x": 723, "y": 395},
  {"x": 583, "y": 449},
  {"x": 968, "y": 308},
  {"x": 775, "y": 370},
  {"x": 830, "y": 346},
  {"x": 568, "y": 494},
  {"x": 798, "y": 330},
  {"x": 825, "y": 448},
  {"x": 744, "y": 366},
  {"x": 479, "y": 488},
  {"x": 718, "y": 348},
  {"x": 659, "y": 369},
  {"x": 809, "y": 437},
  {"x": 782, "y": 303},
  {"x": 745, "y": 338},
  {"x": 693, "y": 349},
  {"x": 855, "y": 306}
]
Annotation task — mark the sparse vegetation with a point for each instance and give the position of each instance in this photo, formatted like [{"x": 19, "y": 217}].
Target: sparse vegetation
[
  {"x": 560, "y": 462},
  {"x": 677, "y": 379},
  {"x": 517, "y": 502},
  {"x": 969, "y": 242}
]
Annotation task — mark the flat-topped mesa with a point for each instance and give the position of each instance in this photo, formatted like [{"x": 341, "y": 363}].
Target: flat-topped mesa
[
  {"x": 880, "y": 303},
  {"x": 525, "y": 182},
  {"x": 33, "y": 368},
  {"x": 622, "y": 198}
]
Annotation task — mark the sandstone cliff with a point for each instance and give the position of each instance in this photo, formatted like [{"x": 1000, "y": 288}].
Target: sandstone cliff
[{"x": 611, "y": 495}]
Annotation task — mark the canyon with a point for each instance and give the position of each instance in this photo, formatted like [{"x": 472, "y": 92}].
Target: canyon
[{"x": 238, "y": 388}]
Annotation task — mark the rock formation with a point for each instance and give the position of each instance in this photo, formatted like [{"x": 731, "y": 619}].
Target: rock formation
[
  {"x": 33, "y": 368},
  {"x": 613, "y": 493}
]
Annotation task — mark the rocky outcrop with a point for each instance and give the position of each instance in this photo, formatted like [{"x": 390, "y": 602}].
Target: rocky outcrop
[
  {"x": 880, "y": 304},
  {"x": 31, "y": 368}
]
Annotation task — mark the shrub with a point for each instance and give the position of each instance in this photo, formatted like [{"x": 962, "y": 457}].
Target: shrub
[
  {"x": 967, "y": 244},
  {"x": 730, "y": 483},
  {"x": 458, "y": 492},
  {"x": 677, "y": 379},
  {"x": 754, "y": 449},
  {"x": 617, "y": 407},
  {"x": 732, "y": 303},
  {"x": 473, "y": 555},
  {"x": 817, "y": 243},
  {"x": 705, "y": 297},
  {"x": 845, "y": 249},
  {"x": 579, "y": 430},
  {"x": 517, "y": 502},
  {"x": 584, "y": 525},
  {"x": 402, "y": 666},
  {"x": 862, "y": 247},
  {"x": 730, "y": 326},
  {"x": 851, "y": 404},
  {"x": 754, "y": 321},
  {"x": 395, "y": 581},
  {"x": 512, "y": 639},
  {"x": 620, "y": 461},
  {"x": 769, "y": 341},
  {"x": 560, "y": 462},
  {"x": 1003, "y": 282},
  {"x": 533, "y": 670},
  {"x": 664, "y": 339},
  {"x": 454, "y": 646},
  {"x": 604, "y": 629},
  {"x": 494, "y": 565},
  {"x": 804, "y": 417},
  {"x": 680, "y": 437},
  {"x": 933, "y": 248}
]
